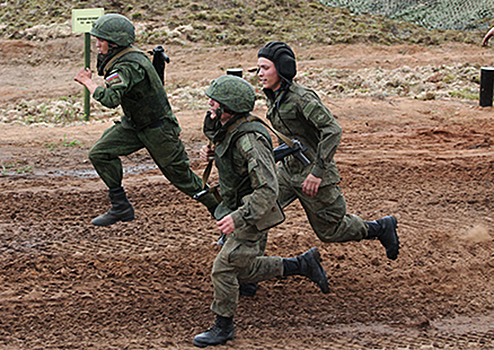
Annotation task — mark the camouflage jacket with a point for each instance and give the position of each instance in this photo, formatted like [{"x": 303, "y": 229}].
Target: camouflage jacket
[
  {"x": 299, "y": 113},
  {"x": 245, "y": 163},
  {"x": 133, "y": 83}
]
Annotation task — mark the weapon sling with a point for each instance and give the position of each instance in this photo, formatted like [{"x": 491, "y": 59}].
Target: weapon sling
[
  {"x": 205, "y": 177},
  {"x": 275, "y": 216},
  {"x": 207, "y": 171},
  {"x": 109, "y": 64}
]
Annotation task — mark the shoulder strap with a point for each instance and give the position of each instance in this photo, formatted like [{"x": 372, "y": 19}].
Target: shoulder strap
[
  {"x": 250, "y": 117},
  {"x": 207, "y": 171},
  {"x": 120, "y": 54},
  {"x": 205, "y": 177},
  {"x": 283, "y": 137}
]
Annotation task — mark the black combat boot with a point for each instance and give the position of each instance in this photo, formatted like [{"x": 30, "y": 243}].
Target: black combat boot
[
  {"x": 385, "y": 230},
  {"x": 247, "y": 289},
  {"x": 309, "y": 265},
  {"x": 222, "y": 331},
  {"x": 121, "y": 209}
]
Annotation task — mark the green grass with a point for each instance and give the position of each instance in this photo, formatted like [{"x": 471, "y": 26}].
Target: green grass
[
  {"x": 465, "y": 94},
  {"x": 251, "y": 22},
  {"x": 67, "y": 143}
]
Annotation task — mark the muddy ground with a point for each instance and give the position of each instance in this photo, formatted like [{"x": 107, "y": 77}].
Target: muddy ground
[{"x": 66, "y": 284}]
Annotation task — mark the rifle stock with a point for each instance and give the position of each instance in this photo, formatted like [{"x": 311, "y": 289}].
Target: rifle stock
[{"x": 159, "y": 61}]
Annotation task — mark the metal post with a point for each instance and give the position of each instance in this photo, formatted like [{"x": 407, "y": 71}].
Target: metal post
[
  {"x": 87, "y": 64},
  {"x": 486, "y": 86}
]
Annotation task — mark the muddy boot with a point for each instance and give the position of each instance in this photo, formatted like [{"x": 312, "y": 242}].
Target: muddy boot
[
  {"x": 385, "y": 230},
  {"x": 121, "y": 209},
  {"x": 247, "y": 289},
  {"x": 309, "y": 265},
  {"x": 222, "y": 331}
]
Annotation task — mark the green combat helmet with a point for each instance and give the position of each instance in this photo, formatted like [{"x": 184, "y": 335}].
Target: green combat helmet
[
  {"x": 233, "y": 92},
  {"x": 114, "y": 28}
]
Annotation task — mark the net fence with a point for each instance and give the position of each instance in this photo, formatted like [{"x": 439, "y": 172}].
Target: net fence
[{"x": 431, "y": 14}]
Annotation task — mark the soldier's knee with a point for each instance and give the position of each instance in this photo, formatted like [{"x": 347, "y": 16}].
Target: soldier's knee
[
  {"x": 92, "y": 155},
  {"x": 97, "y": 155}
]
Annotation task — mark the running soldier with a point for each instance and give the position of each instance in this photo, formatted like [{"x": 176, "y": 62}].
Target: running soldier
[
  {"x": 244, "y": 158},
  {"x": 148, "y": 121},
  {"x": 298, "y": 112}
]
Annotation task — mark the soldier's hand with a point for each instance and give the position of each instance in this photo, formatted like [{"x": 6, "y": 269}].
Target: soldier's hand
[
  {"x": 84, "y": 77},
  {"x": 226, "y": 225},
  {"x": 311, "y": 185},
  {"x": 207, "y": 153}
]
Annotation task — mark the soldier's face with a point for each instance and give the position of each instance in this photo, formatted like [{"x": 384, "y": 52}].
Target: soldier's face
[
  {"x": 268, "y": 75},
  {"x": 215, "y": 109},
  {"x": 102, "y": 46}
]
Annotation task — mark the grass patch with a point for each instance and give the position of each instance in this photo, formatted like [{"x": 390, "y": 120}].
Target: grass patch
[
  {"x": 464, "y": 94},
  {"x": 289, "y": 20}
]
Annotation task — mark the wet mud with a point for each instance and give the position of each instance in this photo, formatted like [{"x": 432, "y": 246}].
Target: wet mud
[{"x": 145, "y": 284}]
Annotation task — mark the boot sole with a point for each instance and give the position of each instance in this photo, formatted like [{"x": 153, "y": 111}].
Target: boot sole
[
  {"x": 203, "y": 345},
  {"x": 114, "y": 222},
  {"x": 323, "y": 285},
  {"x": 393, "y": 251}
]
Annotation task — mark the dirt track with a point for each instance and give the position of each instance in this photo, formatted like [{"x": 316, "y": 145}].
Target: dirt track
[{"x": 146, "y": 285}]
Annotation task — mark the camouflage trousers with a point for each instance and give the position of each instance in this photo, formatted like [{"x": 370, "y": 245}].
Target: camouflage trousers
[
  {"x": 326, "y": 211},
  {"x": 164, "y": 146},
  {"x": 241, "y": 261}
]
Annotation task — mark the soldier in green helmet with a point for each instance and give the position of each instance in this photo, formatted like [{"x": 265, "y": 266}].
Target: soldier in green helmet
[
  {"x": 148, "y": 121},
  {"x": 244, "y": 157}
]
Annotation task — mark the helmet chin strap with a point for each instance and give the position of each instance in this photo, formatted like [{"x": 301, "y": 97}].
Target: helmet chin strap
[
  {"x": 221, "y": 110},
  {"x": 103, "y": 58},
  {"x": 218, "y": 112}
]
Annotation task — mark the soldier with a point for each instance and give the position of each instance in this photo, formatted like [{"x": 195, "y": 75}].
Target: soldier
[
  {"x": 298, "y": 112},
  {"x": 148, "y": 121},
  {"x": 244, "y": 157}
]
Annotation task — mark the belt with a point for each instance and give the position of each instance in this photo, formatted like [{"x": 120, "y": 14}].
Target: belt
[{"x": 156, "y": 124}]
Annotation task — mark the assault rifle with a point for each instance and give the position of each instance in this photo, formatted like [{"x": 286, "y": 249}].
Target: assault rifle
[
  {"x": 280, "y": 152},
  {"x": 297, "y": 150}
]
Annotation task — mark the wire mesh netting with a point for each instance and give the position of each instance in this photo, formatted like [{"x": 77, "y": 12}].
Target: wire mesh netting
[{"x": 431, "y": 14}]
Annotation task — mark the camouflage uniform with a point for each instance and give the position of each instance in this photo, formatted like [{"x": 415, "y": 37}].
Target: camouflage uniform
[
  {"x": 244, "y": 157},
  {"x": 148, "y": 122},
  {"x": 245, "y": 161},
  {"x": 297, "y": 111}
]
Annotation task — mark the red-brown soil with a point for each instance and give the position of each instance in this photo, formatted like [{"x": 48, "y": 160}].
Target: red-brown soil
[{"x": 66, "y": 284}]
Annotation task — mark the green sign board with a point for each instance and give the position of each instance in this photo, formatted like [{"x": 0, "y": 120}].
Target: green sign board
[{"x": 83, "y": 19}]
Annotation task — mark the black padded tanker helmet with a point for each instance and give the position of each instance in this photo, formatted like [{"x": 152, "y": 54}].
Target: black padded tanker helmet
[{"x": 283, "y": 58}]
